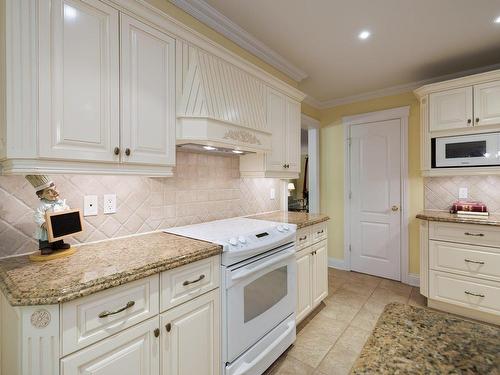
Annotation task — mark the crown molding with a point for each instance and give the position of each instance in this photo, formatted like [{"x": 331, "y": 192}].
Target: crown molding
[
  {"x": 208, "y": 15},
  {"x": 394, "y": 90}
]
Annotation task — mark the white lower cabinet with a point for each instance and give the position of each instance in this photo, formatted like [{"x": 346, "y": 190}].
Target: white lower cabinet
[
  {"x": 312, "y": 271},
  {"x": 191, "y": 337},
  {"x": 134, "y": 351}
]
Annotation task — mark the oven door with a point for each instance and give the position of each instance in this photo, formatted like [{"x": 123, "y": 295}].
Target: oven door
[
  {"x": 468, "y": 150},
  {"x": 260, "y": 295}
]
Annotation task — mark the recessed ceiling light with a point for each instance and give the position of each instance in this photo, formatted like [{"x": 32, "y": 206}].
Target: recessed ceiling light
[
  {"x": 365, "y": 34},
  {"x": 497, "y": 20},
  {"x": 209, "y": 148},
  {"x": 237, "y": 152}
]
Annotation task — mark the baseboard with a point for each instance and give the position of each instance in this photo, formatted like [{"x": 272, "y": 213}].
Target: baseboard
[
  {"x": 337, "y": 263},
  {"x": 413, "y": 279}
]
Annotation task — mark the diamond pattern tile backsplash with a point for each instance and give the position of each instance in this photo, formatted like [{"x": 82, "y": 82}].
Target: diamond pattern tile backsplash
[
  {"x": 441, "y": 192},
  {"x": 205, "y": 187}
]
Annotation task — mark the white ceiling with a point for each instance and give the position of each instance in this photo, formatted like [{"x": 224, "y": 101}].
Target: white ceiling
[{"x": 412, "y": 40}]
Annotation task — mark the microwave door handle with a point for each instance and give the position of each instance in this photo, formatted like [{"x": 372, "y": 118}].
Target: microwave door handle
[{"x": 247, "y": 270}]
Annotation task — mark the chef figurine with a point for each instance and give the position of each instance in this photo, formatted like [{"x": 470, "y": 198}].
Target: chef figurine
[{"x": 49, "y": 202}]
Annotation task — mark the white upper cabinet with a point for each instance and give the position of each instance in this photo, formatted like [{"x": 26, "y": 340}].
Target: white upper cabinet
[
  {"x": 147, "y": 94},
  {"x": 451, "y": 109},
  {"x": 276, "y": 118},
  {"x": 293, "y": 135},
  {"x": 79, "y": 80},
  {"x": 487, "y": 104}
]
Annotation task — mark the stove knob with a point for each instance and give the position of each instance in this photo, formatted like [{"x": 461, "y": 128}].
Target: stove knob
[
  {"x": 242, "y": 239},
  {"x": 280, "y": 228},
  {"x": 286, "y": 228},
  {"x": 233, "y": 241}
]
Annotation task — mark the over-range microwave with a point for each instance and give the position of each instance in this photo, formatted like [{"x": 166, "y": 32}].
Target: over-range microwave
[{"x": 474, "y": 150}]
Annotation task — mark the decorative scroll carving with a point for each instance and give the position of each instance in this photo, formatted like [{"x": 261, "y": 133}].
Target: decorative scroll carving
[
  {"x": 40, "y": 319},
  {"x": 242, "y": 136}
]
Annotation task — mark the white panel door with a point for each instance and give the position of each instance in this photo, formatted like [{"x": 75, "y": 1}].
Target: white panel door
[
  {"x": 320, "y": 272},
  {"x": 276, "y": 118},
  {"x": 191, "y": 337},
  {"x": 304, "y": 284},
  {"x": 375, "y": 170},
  {"x": 293, "y": 136},
  {"x": 487, "y": 104},
  {"x": 451, "y": 109},
  {"x": 134, "y": 351},
  {"x": 79, "y": 80},
  {"x": 147, "y": 94}
]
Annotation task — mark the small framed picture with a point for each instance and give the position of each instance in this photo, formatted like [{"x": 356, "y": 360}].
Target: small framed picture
[{"x": 63, "y": 223}]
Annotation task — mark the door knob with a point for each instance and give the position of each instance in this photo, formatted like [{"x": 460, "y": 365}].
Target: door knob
[{"x": 395, "y": 208}]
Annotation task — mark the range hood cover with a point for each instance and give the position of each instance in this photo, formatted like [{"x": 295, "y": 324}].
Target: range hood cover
[{"x": 220, "y": 104}]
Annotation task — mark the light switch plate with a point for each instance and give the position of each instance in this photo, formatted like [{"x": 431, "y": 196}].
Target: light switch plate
[
  {"x": 109, "y": 204},
  {"x": 90, "y": 207},
  {"x": 463, "y": 193},
  {"x": 273, "y": 194}
]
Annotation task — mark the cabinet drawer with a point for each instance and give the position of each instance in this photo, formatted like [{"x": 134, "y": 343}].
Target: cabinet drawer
[
  {"x": 481, "y": 295},
  {"x": 472, "y": 234},
  {"x": 92, "y": 318},
  {"x": 477, "y": 261},
  {"x": 186, "y": 282},
  {"x": 303, "y": 238},
  {"x": 318, "y": 232}
]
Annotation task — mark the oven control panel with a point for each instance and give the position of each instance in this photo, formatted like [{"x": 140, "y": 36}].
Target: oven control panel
[{"x": 259, "y": 238}]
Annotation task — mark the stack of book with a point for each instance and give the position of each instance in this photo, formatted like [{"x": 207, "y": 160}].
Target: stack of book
[{"x": 469, "y": 209}]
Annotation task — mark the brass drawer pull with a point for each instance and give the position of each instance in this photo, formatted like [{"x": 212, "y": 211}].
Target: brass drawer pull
[
  {"x": 108, "y": 313},
  {"x": 321, "y": 231},
  {"x": 474, "y": 234},
  {"x": 302, "y": 238},
  {"x": 474, "y": 261},
  {"x": 187, "y": 282},
  {"x": 474, "y": 294}
]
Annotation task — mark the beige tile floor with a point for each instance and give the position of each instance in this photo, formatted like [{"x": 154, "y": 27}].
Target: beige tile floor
[{"x": 331, "y": 338}]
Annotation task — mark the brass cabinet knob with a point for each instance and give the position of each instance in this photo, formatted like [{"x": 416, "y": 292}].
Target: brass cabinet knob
[
  {"x": 127, "y": 151},
  {"x": 395, "y": 208},
  {"x": 117, "y": 151},
  {"x": 477, "y": 119},
  {"x": 469, "y": 121},
  {"x": 156, "y": 332}
]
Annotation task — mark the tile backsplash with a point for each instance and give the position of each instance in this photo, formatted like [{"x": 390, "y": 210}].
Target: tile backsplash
[
  {"x": 441, "y": 192},
  {"x": 205, "y": 187}
]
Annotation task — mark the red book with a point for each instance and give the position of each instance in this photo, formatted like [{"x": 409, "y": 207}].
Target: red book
[{"x": 470, "y": 206}]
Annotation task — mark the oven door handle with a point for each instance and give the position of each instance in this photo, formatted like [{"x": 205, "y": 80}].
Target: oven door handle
[{"x": 250, "y": 269}]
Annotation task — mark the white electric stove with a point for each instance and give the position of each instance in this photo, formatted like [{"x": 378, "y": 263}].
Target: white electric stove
[{"x": 258, "y": 289}]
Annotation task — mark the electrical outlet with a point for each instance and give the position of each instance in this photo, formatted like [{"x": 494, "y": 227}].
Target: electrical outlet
[
  {"x": 90, "y": 207},
  {"x": 273, "y": 194},
  {"x": 109, "y": 205},
  {"x": 463, "y": 193}
]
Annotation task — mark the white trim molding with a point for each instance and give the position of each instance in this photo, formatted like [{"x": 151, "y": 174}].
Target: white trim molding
[
  {"x": 413, "y": 279},
  {"x": 401, "y": 113},
  {"x": 338, "y": 264},
  {"x": 205, "y": 13}
]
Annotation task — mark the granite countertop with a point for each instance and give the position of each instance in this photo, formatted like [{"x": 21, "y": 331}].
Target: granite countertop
[
  {"x": 97, "y": 266},
  {"x": 301, "y": 219},
  {"x": 416, "y": 340},
  {"x": 492, "y": 219}
]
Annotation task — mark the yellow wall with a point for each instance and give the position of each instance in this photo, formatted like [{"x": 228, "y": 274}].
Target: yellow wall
[
  {"x": 332, "y": 169},
  {"x": 311, "y": 111}
]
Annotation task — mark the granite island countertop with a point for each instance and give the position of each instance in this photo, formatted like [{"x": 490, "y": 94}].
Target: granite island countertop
[
  {"x": 301, "y": 219},
  {"x": 443, "y": 216},
  {"x": 416, "y": 340},
  {"x": 98, "y": 266}
]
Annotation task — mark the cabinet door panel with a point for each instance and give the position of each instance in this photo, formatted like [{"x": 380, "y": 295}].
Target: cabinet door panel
[
  {"x": 451, "y": 109},
  {"x": 148, "y": 94},
  {"x": 276, "y": 118},
  {"x": 320, "y": 272},
  {"x": 134, "y": 351},
  {"x": 487, "y": 104},
  {"x": 304, "y": 284},
  {"x": 293, "y": 136},
  {"x": 79, "y": 80},
  {"x": 191, "y": 339}
]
